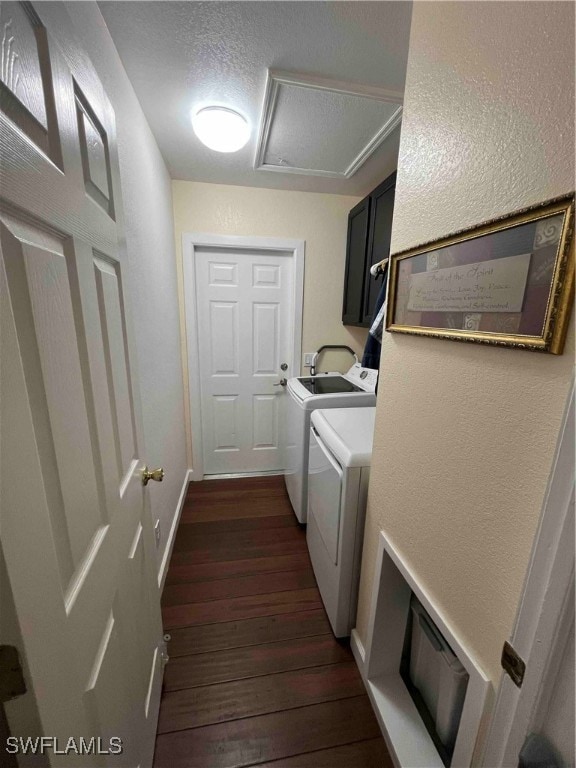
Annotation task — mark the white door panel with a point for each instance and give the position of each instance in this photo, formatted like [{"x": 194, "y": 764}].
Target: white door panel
[
  {"x": 224, "y": 332},
  {"x": 265, "y": 422},
  {"x": 244, "y": 303},
  {"x": 113, "y": 329},
  {"x": 226, "y": 427},
  {"x": 266, "y": 338},
  {"x": 76, "y": 533}
]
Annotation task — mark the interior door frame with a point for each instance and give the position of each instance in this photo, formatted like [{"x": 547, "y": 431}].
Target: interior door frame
[
  {"x": 546, "y": 608},
  {"x": 191, "y": 241}
]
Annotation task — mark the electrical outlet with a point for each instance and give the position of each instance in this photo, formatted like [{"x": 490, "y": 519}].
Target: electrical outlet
[
  {"x": 157, "y": 532},
  {"x": 308, "y": 357}
]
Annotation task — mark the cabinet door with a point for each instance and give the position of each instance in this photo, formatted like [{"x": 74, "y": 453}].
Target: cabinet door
[
  {"x": 356, "y": 250},
  {"x": 381, "y": 210}
]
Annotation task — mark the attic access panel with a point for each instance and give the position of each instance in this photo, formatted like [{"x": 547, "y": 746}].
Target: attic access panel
[{"x": 321, "y": 127}]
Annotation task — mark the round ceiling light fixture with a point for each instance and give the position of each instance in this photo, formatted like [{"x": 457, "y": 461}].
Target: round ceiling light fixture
[{"x": 221, "y": 129}]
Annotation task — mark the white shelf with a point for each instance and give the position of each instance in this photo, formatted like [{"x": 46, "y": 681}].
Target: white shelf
[{"x": 408, "y": 740}]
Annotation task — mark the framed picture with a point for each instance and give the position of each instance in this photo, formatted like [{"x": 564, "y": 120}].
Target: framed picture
[{"x": 508, "y": 282}]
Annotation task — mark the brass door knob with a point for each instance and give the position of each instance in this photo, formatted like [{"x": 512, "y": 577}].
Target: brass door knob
[{"x": 152, "y": 474}]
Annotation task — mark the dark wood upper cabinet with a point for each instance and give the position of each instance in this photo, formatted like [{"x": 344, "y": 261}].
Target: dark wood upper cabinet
[
  {"x": 369, "y": 231},
  {"x": 356, "y": 251},
  {"x": 380, "y": 231}
]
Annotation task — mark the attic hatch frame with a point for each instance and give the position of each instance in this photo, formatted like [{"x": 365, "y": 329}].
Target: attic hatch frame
[{"x": 277, "y": 78}]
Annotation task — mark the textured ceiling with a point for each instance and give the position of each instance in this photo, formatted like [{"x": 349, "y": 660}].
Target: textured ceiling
[{"x": 181, "y": 56}]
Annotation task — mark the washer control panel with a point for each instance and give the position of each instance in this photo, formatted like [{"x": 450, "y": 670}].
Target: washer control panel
[{"x": 365, "y": 378}]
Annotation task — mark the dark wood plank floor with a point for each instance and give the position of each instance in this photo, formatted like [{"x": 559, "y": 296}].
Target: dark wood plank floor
[{"x": 255, "y": 675}]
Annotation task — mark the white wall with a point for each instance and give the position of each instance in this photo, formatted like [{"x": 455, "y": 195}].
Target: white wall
[
  {"x": 465, "y": 434},
  {"x": 319, "y": 219},
  {"x": 152, "y": 284}
]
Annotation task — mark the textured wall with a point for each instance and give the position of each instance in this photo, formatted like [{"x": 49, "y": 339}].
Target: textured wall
[
  {"x": 152, "y": 285},
  {"x": 465, "y": 435},
  {"x": 319, "y": 219}
]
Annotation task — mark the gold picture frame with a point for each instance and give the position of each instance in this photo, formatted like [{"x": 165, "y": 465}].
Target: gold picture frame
[{"x": 508, "y": 282}]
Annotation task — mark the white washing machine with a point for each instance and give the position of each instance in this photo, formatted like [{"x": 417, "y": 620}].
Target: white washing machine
[
  {"x": 355, "y": 388},
  {"x": 338, "y": 474}
]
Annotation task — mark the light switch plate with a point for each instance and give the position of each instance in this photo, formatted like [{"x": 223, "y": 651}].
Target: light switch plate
[{"x": 308, "y": 357}]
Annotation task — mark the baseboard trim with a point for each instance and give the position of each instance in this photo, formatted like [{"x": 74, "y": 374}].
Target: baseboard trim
[
  {"x": 359, "y": 653},
  {"x": 234, "y": 475},
  {"x": 163, "y": 570}
]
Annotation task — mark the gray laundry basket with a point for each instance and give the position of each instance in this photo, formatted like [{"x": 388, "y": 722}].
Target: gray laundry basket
[{"x": 438, "y": 675}]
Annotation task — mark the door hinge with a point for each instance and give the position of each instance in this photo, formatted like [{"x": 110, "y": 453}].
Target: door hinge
[
  {"x": 12, "y": 683},
  {"x": 164, "y": 650},
  {"x": 513, "y": 664}
]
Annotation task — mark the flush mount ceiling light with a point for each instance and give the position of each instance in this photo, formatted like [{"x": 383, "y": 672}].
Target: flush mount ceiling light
[{"x": 221, "y": 129}]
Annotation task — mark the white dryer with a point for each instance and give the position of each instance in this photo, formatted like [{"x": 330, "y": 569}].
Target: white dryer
[
  {"x": 355, "y": 388},
  {"x": 338, "y": 474}
]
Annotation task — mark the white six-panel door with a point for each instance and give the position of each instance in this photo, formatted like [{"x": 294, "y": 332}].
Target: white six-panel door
[
  {"x": 245, "y": 304},
  {"x": 76, "y": 532}
]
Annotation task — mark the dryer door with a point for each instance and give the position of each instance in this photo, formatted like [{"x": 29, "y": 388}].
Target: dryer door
[{"x": 325, "y": 479}]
